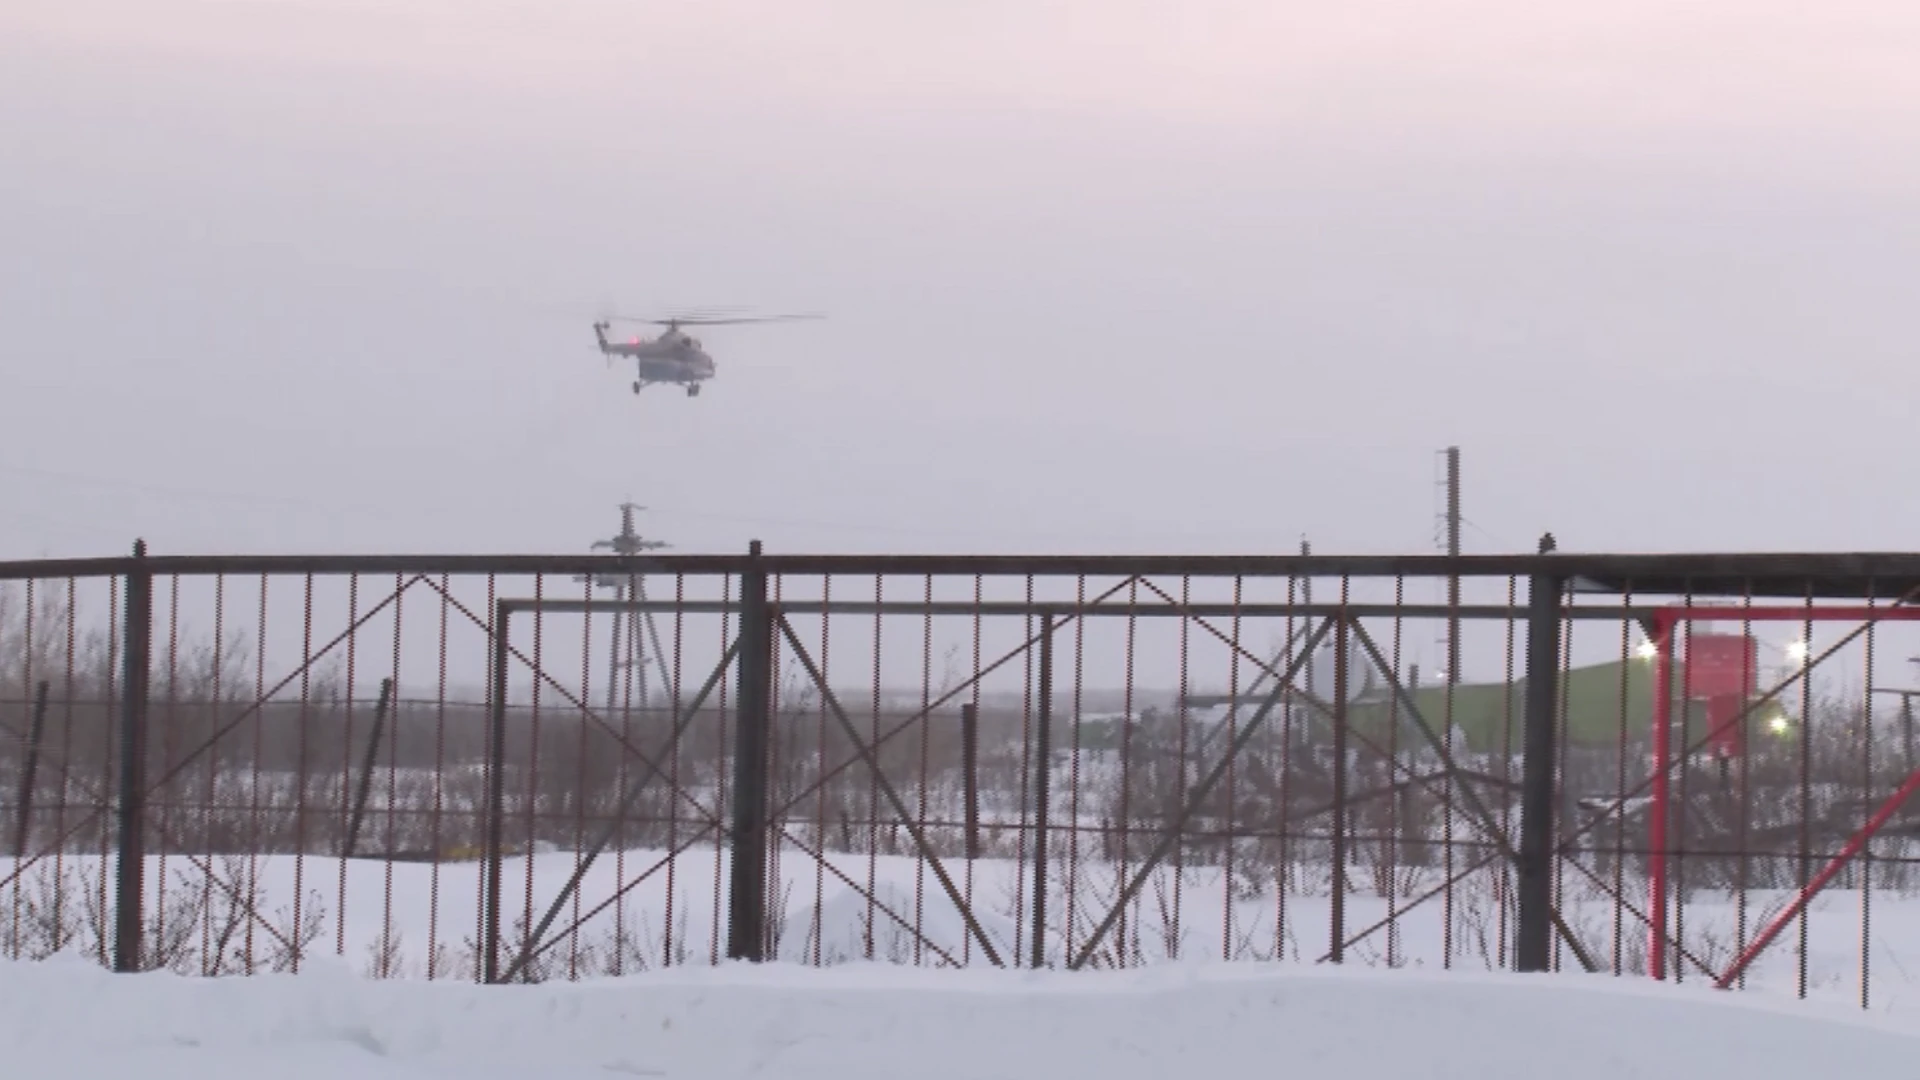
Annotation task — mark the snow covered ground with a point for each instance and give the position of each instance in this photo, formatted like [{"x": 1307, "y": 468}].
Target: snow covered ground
[
  {"x": 1395, "y": 1016},
  {"x": 417, "y": 921},
  {"x": 847, "y": 1019},
  {"x": 70, "y": 1019}
]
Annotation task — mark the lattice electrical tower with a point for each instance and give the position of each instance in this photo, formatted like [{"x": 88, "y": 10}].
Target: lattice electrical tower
[{"x": 627, "y": 588}]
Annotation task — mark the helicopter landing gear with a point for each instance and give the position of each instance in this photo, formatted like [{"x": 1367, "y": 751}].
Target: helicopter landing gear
[{"x": 693, "y": 390}]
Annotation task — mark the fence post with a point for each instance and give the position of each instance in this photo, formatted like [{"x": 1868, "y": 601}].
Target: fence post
[
  {"x": 1042, "y": 797},
  {"x": 496, "y": 795},
  {"x": 137, "y": 647},
  {"x": 1533, "y": 931},
  {"x": 747, "y": 895},
  {"x": 360, "y": 796}
]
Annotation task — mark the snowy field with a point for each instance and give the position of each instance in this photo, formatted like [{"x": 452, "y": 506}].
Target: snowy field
[
  {"x": 638, "y": 911},
  {"x": 70, "y": 1019}
]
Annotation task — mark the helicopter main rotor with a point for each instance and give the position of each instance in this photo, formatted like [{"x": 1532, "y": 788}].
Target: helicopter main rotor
[{"x": 710, "y": 320}]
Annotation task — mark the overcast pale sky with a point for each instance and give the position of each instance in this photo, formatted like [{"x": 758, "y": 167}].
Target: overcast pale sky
[{"x": 1101, "y": 275}]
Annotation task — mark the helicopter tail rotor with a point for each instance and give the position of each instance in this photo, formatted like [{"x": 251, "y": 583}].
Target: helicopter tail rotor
[{"x": 600, "y": 335}]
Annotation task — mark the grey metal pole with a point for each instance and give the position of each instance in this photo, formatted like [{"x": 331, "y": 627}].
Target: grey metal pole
[
  {"x": 747, "y": 910},
  {"x": 1453, "y": 576},
  {"x": 130, "y": 871},
  {"x": 496, "y": 796},
  {"x": 1042, "y": 791},
  {"x": 1533, "y": 933},
  {"x": 365, "y": 788}
]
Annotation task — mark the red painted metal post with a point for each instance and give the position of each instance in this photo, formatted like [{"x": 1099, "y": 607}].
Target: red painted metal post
[
  {"x": 1657, "y": 812},
  {"x": 1854, "y": 846}
]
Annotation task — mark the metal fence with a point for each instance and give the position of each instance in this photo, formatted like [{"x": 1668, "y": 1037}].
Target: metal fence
[{"x": 535, "y": 768}]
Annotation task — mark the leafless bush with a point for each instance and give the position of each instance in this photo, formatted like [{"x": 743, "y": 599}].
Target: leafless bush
[
  {"x": 614, "y": 947},
  {"x": 198, "y": 928}
]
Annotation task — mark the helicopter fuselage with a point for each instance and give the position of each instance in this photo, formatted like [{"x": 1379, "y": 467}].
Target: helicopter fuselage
[
  {"x": 683, "y": 367},
  {"x": 673, "y": 357}
]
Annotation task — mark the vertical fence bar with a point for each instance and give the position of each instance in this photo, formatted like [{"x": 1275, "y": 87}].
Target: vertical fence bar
[
  {"x": 530, "y": 764},
  {"x": 772, "y": 823},
  {"x": 1076, "y": 757},
  {"x": 1337, "y": 922},
  {"x": 822, "y": 739},
  {"x": 496, "y": 814},
  {"x": 747, "y": 899},
  {"x": 35, "y": 736},
  {"x": 925, "y": 725},
  {"x": 137, "y": 655},
  {"x": 1042, "y": 790},
  {"x": 1533, "y": 932},
  {"x": 1866, "y": 851},
  {"x": 973, "y": 839},
  {"x": 873, "y": 787},
  {"x": 436, "y": 817}
]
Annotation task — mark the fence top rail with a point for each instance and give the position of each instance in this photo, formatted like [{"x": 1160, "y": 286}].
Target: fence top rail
[{"x": 1881, "y": 575}]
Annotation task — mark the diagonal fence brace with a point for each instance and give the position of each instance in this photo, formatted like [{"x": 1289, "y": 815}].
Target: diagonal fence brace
[
  {"x": 1856, "y": 844},
  {"x": 682, "y": 720},
  {"x": 700, "y": 833},
  {"x": 965, "y": 685},
  {"x": 1716, "y": 731},
  {"x": 820, "y": 856},
  {"x": 1479, "y": 814},
  {"x": 1477, "y": 810},
  {"x": 886, "y": 788},
  {"x": 1177, "y": 827},
  {"x": 573, "y": 701}
]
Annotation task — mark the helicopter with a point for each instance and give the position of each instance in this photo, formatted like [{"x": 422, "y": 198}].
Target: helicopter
[{"x": 675, "y": 357}]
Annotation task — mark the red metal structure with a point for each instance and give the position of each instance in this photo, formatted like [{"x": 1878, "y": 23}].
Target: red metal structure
[{"x": 1725, "y": 670}]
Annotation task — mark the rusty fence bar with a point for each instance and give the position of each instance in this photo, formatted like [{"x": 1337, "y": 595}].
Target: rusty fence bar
[{"x": 482, "y": 768}]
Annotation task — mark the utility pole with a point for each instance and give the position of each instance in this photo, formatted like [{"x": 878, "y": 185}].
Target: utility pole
[
  {"x": 627, "y": 589},
  {"x": 1447, "y": 538},
  {"x": 1303, "y": 719}
]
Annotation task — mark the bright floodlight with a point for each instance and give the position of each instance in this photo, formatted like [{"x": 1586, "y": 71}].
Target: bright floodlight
[
  {"x": 1647, "y": 650},
  {"x": 1797, "y": 651},
  {"x": 1779, "y": 723}
]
